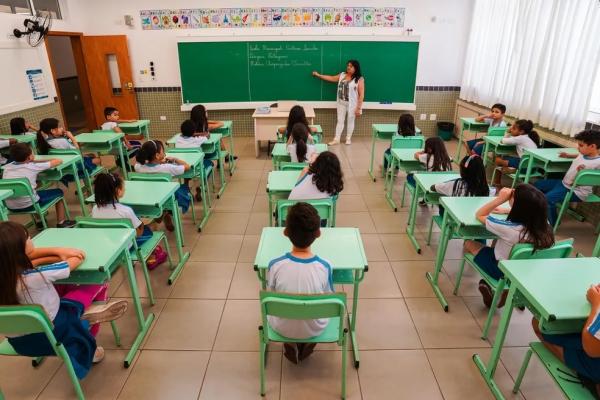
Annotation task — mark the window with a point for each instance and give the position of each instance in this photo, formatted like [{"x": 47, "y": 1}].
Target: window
[
  {"x": 41, "y": 7},
  {"x": 44, "y": 7},
  {"x": 15, "y": 6}
]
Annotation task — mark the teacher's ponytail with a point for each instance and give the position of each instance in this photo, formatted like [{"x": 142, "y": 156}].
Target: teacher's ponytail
[
  {"x": 357, "y": 73},
  {"x": 300, "y": 137}
]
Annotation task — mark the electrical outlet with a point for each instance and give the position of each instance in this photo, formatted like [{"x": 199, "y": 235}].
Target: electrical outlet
[
  {"x": 423, "y": 117},
  {"x": 432, "y": 117},
  {"x": 163, "y": 117}
]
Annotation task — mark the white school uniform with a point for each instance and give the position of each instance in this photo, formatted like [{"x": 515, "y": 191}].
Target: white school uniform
[
  {"x": 310, "y": 150},
  {"x": 522, "y": 142},
  {"x": 423, "y": 160},
  {"x": 3, "y": 144},
  {"x": 60, "y": 143},
  {"x": 509, "y": 234},
  {"x": 184, "y": 142},
  {"x": 493, "y": 124},
  {"x": 454, "y": 187},
  {"x": 172, "y": 169},
  {"x": 291, "y": 274},
  {"x": 37, "y": 287},
  {"x": 29, "y": 170},
  {"x": 109, "y": 126},
  {"x": 588, "y": 163},
  {"x": 117, "y": 210},
  {"x": 306, "y": 189}
]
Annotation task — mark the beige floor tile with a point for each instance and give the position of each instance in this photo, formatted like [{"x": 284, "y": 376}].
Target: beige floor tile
[
  {"x": 234, "y": 375},
  {"x": 379, "y": 282},
  {"x": 385, "y": 324},
  {"x": 373, "y": 247},
  {"x": 256, "y": 223},
  {"x": 246, "y": 187},
  {"x": 204, "y": 280},
  {"x": 19, "y": 380},
  {"x": 261, "y": 203},
  {"x": 351, "y": 203},
  {"x": 319, "y": 377},
  {"x": 227, "y": 223},
  {"x": 248, "y": 164},
  {"x": 249, "y": 247},
  {"x": 388, "y": 222},
  {"x": 104, "y": 381},
  {"x": 399, "y": 248},
  {"x": 245, "y": 283},
  {"x": 234, "y": 203},
  {"x": 350, "y": 185},
  {"x": 376, "y": 202},
  {"x": 397, "y": 374},
  {"x": 437, "y": 329},
  {"x": 186, "y": 325},
  {"x": 158, "y": 279},
  {"x": 224, "y": 248},
  {"x": 459, "y": 378},
  {"x": 411, "y": 278},
  {"x": 469, "y": 285},
  {"x": 360, "y": 220},
  {"x": 238, "y": 330},
  {"x": 161, "y": 375}
]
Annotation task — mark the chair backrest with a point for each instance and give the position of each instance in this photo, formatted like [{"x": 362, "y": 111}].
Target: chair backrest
[
  {"x": 408, "y": 142},
  {"x": 89, "y": 222},
  {"x": 20, "y": 187},
  {"x": 497, "y": 131},
  {"x": 587, "y": 177},
  {"x": 158, "y": 177},
  {"x": 292, "y": 166},
  {"x": 185, "y": 150},
  {"x": 524, "y": 251},
  {"x": 24, "y": 319},
  {"x": 74, "y": 152},
  {"x": 325, "y": 209}
]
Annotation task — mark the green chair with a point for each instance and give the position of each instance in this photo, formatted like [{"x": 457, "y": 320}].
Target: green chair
[
  {"x": 26, "y": 319},
  {"x": 207, "y": 171},
  {"x": 520, "y": 251},
  {"x": 87, "y": 176},
  {"x": 566, "y": 379},
  {"x": 402, "y": 142},
  {"x": 585, "y": 177},
  {"x": 211, "y": 148},
  {"x": 292, "y": 166},
  {"x": 518, "y": 174},
  {"x": 303, "y": 306},
  {"x": 22, "y": 188},
  {"x": 325, "y": 208}
]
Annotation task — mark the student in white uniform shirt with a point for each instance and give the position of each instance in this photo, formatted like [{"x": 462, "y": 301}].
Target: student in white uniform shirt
[
  {"x": 192, "y": 138},
  {"x": 521, "y": 135},
  {"x": 297, "y": 114},
  {"x": 299, "y": 149},
  {"x": 588, "y": 143},
  {"x": 151, "y": 159},
  {"x": 521, "y": 226},
  {"x": 322, "y": 179},
  {"x": 495, "y": 119},
  {"x": 112, "y": 124},
  {"x": 300, "y": 271},
  {"x": 434, "y": 157},
  {"x": 18, "y": 126},
  {"x": 4, "y": 144}
]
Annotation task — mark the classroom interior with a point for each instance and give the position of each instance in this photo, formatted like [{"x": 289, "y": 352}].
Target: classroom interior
[{"x": 203, "y": 342}]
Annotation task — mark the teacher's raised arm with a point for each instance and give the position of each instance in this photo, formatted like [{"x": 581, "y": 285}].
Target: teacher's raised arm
[{"x": 350, "y": 97}]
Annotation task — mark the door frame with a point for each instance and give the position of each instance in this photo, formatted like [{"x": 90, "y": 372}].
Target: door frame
[{"x": 84, "y": 87}]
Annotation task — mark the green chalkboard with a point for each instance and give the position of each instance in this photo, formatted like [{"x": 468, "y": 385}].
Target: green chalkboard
[{"x": 268, "y": 71}]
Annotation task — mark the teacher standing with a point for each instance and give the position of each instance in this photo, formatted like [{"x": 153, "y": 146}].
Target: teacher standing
[{"x": 350, "y": 96}]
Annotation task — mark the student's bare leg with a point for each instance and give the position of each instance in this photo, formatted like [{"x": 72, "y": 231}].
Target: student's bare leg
[
  {"x": 60, "y": 212},
  {"x": 502, "y": 163},
  {"x": 556, "y": 350},
  {"x": 472, "y": 247}
]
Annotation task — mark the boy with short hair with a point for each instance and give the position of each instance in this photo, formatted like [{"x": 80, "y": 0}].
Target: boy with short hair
[
  {"x": 588, "y": 144},
  {"x": 112, "y": 124},
  {"x": 300, "y": 271},
  {"x": 495, "y": 119},
  {"x": 24, "y": 166}
]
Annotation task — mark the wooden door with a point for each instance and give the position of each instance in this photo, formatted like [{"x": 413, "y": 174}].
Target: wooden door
[{"x": 109, "y": 75}]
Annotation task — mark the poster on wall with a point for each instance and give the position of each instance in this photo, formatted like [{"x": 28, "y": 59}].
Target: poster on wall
[
  {"x": 36, "y": 80},
  {"x": 201, "y": 18}
]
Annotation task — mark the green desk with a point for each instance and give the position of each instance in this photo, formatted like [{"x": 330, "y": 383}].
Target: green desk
[
  {"x": 4, "y": 194},
  {"x": 349, "y": 266},
  {"x": 553, "y": 290},
  {"x": 67, "y": 167},
  {"x": 29, "y": 139},
  {"x": 382, "y": 132},
  {"x": 196, "y": 163},
  {"x": 459, "y": 222},
  {"x": 227, "y": 131},
  {"x": 468, "y": 124},
  {"x": 423, "y": 183},
  {"x": 494, "y": 144},
  {"x": 280, "y": 153},
  {"x": 280, "y": 183},
  {"x": 317, "y": 134},
  {"x": 548, "y": 160},
  {"x": 104, "y": 143},
  {"x": 136, "y": 127},
  {"x": 403, "y": 159},
  {"x": 105, "y": 251}
]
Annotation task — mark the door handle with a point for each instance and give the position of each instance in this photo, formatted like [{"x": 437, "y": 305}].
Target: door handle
[{"x": 129, "y": 86}]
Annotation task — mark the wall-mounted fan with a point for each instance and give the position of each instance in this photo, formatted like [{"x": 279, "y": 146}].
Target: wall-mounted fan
[{"x": 35, "y": 29}]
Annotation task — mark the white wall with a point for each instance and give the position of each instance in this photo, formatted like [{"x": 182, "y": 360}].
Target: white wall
[
  {"x": 62, "y": 54},
  {"x": 443, "y": 41}
]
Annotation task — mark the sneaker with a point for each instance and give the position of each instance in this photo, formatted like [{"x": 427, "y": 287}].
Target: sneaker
[
  {"x": 290, "y": 352},
  {"x": 502, "y": 300},
  {"x": 348, "y": 141},
  {"x": 486, "y": 293},
  {"x": 98, "y": 355},
  {"x": 334, "y": 142},
  {"x": 305, "y": 350},
  {"x": 97, "y": 313},
  {"x": 67, "y": 223},
  {"x": 422, "y": 203},
  {"x": 168, "y": 220}
]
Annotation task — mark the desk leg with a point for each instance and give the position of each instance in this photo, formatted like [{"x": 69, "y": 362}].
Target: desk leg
[
  {"x": 270, "y": 200},
  {"x": 390, "y": 175},
  {"x": 205, "y": 197},
  {"x": 412, "y": 217},
  {"x": 231, "y": 154},
  {"x": 143, "y": 323},
  {"x": 183, "y": 257},
  {"x": 3, "y": 213},
  {"x": 84, "y": 209},
  {"x": 529, "y": 169},
  {"x": 124, "y": 162},
  {"x": 373, "y": 140},
  {"x": 221, "y": 170},
  {"x": 146, "y": 132},
  {"x": 488, "y": 371},
  {"x": 439, "y": 262},
  {"x": 486, "y": 150},
  {"x": 358, "y": 277},
  {"x": 460, "y": 143}
]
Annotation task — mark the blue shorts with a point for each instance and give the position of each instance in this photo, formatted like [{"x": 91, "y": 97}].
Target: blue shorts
[
  {"x": 145, "y": 236},
  {"x": 410, "y": 179},
  {"x": 575, "y": 357},
  {"x": 46, "y": 197},
  {"x": 486, "y": 260},
  {"x": 513, "y": 162},
  {"x": 471, "y": 143}
]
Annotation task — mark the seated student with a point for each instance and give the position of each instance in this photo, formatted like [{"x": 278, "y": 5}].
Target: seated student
[
  {"x": 24, "y": 166},
  {"x": 27, "y": 277},
  {"x": 191, "y": 138},
  {"x": 299, "y": 149},
  {"x": 579, "y": 351},
  {"x": 495, "y": 120},
  {"x": 300, "y": 271},
  {"x": 296, "y": 115},
  {"x": 18, "y": 126},
  {"x": 53, "y": 136},
  {"x": 112, "y": 124},
  {"x": 321, "y": 179},
  {"x": 6, "y": 143},
  {"x": 588, "y": 143},
  {"x": 527, "y": 222},
  {"x": 200, "y": 117},
  {"x": 522, "y": 135},
  {"x": 151, "y": 159},
  {"x": 406, "y": 127},
  {"x": 434, "y": 157}
]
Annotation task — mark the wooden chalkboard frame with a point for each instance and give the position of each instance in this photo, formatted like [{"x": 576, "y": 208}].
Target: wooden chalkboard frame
[{"x": 282, "y": 37}]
